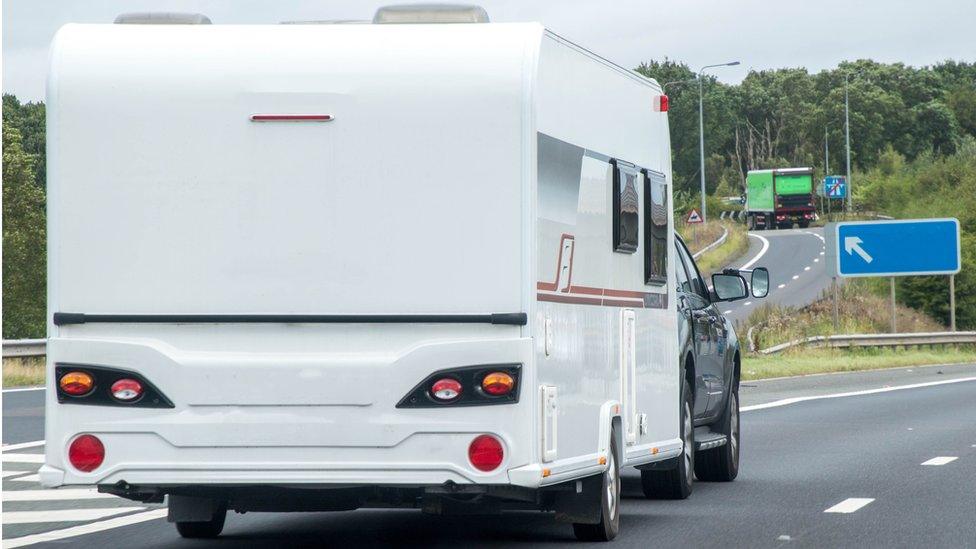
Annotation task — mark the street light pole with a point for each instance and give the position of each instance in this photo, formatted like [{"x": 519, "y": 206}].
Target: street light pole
[
  {"x": 701, "y": 133},
  {"x": 847, "y": 133}
]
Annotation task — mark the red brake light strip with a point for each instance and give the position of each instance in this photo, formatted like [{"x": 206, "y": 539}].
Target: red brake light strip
[{"x": 291, "y": 117}]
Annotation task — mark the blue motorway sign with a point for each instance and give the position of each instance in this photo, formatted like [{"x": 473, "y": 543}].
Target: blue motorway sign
[
  {"x": 896, "y": 248},
  {"x": 835, "y": 186}
]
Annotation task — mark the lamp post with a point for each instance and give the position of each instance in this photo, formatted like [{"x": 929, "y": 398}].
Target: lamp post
[
  {"x": 847, "y": 136},
  {"x": 701, "y": 131}
]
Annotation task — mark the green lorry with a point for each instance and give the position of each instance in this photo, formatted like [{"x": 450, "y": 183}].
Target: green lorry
[{"x": 776, "y": 199}]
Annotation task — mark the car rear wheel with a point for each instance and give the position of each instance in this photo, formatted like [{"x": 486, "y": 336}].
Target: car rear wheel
[
  {"x": 675, "y": 483},
  {"x": 722, "y": 464},
  {"x": 609, "y": 525}
]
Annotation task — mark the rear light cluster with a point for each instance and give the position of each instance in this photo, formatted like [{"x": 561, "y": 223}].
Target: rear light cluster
[
  {"x": 469, "y": 386},
  {"x": 96, "y": 385}
]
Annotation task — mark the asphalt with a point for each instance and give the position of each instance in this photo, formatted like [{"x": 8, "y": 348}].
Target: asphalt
[
  {"x": 797, "y": 461},
  {"x": 791, "y": 253}
]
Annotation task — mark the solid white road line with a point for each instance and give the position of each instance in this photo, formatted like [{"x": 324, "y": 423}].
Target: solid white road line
[
  {"x": 762, "y": 251},
  {"x": 941, "y": 460},
  {"x": 22, "y": 389},
  {"x": 794, "y": 400},
  {"x": 22, "y": 458},
  {"x": 85, "y": 529},
  {"x": 849, "y": 505},
  {"x": 54, "y": 495},
  {"x": 63, "y": 515},
  {"x": 29, "y": 478},
  {"x": 22, "y": 445}
]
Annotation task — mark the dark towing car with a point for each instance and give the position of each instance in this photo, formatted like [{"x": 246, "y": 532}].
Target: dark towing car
[{"x": 710, "y": 371}]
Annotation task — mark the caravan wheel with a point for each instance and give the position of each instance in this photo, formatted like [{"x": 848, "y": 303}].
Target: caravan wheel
[
  {"x": 609, "y": 525},
  {"x": 675, "y": 483}
]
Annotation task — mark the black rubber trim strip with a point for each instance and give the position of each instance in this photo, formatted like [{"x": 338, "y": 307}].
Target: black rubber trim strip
[{"x": 510, "y": 319}]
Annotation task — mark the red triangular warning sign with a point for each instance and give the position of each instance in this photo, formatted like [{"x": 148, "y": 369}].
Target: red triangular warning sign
[{"x": 693, "y": 216}]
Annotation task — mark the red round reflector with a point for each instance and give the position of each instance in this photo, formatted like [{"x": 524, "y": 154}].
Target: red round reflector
[
  {"x": 86, "y": 453},
  {"x": 446, "y": 389},
  {"x": 498, "y": 383},
  {"x": 126, "y": 390},
  {"x": 486, "y": 453}
]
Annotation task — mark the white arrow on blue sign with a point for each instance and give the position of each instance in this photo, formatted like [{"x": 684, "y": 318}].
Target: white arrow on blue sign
[{"x": 896, "y": 248}]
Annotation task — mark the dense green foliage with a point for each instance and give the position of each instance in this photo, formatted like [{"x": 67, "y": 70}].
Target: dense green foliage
[
  {"x": 24, "y": 246},
  {"x": 778, "y": 118},
  {"x": 931, "y": 186}
]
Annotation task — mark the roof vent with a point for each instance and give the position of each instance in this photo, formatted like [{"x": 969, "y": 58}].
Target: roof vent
[
  {"x": 162, "y": 18},
  {"x": 430, "y": 13}
]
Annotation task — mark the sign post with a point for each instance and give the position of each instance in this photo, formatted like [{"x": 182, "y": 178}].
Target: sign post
[
  {"x": 907, "y": 247},
  {"x": 694, "y": 218}
]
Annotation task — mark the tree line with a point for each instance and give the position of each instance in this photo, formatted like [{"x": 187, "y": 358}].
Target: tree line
[{"x": 783, "y": 117}]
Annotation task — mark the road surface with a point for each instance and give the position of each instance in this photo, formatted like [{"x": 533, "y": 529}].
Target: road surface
[
  {"x": 895, "y": 467},
  {"x": 797, "y": 274}
]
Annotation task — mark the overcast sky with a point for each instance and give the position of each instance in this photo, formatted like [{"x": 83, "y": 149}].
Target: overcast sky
[{"x": 762, "y": 34}]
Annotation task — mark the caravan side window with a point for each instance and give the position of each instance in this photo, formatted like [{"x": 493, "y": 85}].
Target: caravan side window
[
  {"x": 655, "y": 228},
  {"x": 626, "y": 206}
]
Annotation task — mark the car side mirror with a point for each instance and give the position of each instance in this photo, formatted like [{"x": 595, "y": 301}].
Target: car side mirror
[
  {"x": 729, "y": 286},
  {"x": 760, "y": 282}
]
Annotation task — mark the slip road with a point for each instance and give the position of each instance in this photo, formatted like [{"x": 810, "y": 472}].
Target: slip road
[
  {"x": 890, "y": 468},
  {"x": 795, "y": 259}
]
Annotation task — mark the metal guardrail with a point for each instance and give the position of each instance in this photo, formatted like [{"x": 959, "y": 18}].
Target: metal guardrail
[
  {"x": 718, "y": 242},
  {"x": 24, "y": 347},
  {"x": 877, "y": 340}
]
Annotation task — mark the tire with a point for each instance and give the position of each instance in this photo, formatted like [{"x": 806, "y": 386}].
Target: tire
[
  {"x": 207, "y": 529},
  {"x": 609, "y": 525},
  {"x": 675, "y": 483},
  {"x": 722, "y": 464}
]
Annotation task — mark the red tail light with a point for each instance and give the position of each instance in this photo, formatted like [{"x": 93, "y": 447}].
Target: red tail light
[
  {"x": 446, "y": 389},
  {"x": 663, "y": 104},
  {"x": 86, "y": 453},
  {"x": 127, "y": 390},
  {"x": 486, "y": 453}
]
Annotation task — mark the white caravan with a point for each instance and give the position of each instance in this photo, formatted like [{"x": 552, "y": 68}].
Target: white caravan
[{"x": 323, "y": 267}]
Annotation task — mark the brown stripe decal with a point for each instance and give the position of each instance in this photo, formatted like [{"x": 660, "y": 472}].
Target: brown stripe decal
[{"x": 587, "y": 295}]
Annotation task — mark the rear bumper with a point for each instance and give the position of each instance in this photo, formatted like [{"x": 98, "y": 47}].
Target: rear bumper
[{"x": 424, "y": 459}]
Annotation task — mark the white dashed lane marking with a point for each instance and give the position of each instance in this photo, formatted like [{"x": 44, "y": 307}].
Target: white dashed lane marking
[
  {"x": 781, "y": 286},
  {"x": 816, "y": 260},
  {"x": 796, "y": 277},
  {"x": 807, "y": 268},
  {"x": 941, "y": 460},
  {"x": 726, "y": 312},
  {"x": 849, "y": 505}
]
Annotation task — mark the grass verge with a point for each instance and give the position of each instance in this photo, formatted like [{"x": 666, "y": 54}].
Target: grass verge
[
  {"x": 819, "y": 361},
  {"x": 23, "y": 371},
  {"x": 736, "y": 244}
]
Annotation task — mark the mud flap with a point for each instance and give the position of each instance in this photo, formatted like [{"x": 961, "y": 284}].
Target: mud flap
[
  {"x": 191, "y": 509},
  {"x": 583, "y": 503}
]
